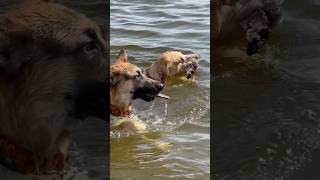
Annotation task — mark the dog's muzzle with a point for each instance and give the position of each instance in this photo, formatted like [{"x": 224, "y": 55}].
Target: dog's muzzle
[
  {"x": 191, "y": 68},
  {"x": 148, "y": 93}
]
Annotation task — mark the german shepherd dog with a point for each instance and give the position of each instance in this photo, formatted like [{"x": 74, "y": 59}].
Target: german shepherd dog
[
  {"x": 127, "y": 83},
  {"x": 50, "y": 57},
  {"x": 171, "y": 63}
]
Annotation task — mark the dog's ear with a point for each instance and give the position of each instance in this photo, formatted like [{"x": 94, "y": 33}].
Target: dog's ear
[
  {"x": 122, "y": 57},
  {"x": 192, "y": 57}
]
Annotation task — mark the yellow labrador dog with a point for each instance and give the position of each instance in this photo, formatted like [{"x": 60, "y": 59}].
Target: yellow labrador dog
[
  {"x": 253, "y": 19},
  {"x": 171, "y": 63}
]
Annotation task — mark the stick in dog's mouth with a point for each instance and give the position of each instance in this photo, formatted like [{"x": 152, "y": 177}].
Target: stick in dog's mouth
[{"x": 163, "y": 96}]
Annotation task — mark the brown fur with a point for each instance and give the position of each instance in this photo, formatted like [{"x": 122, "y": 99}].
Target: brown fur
[
  {"x": 125, "y": 78},
  {"x": 120, "y": 94},
  {"x": 171, "y": 63},
  {"x": 42, "y": 62}
]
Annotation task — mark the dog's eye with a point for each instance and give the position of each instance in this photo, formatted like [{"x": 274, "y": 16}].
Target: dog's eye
[
  {"x": 90, "y": 48},
  {"x": 139, "y": 75},
  {"x": 181, "y": 60}
]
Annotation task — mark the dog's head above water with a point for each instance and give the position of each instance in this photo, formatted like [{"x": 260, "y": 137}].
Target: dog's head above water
[
  {"x": 171, "y": 63},
  {"x": 190, "y": 64},
  {"x": 127, "y": 83},
  {"x": 62, "y": 48}
]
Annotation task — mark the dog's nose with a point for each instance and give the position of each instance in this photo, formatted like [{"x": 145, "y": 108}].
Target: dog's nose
[
  {"x": 189, "y": 75},
  {"x": 195, "y": 65},
  {"x": 160, "y": 86}
]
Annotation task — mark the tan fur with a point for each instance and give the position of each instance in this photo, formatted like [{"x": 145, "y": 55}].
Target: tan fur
[
  {"x": 123, "y": 85},
  {"x": 169, "y": 64},
  {"x": 120, "y": 95},
  {"x": 33, "y": 109}
]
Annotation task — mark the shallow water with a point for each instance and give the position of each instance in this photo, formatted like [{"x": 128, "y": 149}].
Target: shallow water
[
  {"x": 145, "y": 29},
  {"x": 266, "y": 107}
]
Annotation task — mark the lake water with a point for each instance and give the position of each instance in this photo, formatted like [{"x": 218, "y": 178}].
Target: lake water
[
  {"x": 266, "y": 107},
  {"x": 145, "y": 29}
]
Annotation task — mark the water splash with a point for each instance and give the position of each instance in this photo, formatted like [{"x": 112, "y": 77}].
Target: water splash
[{"x": 165, "y": 108}]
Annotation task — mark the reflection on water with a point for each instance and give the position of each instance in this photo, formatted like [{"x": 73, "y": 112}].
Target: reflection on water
[
  {"x": 145, "y": 29},
  {"x": 266, "y": 119}
]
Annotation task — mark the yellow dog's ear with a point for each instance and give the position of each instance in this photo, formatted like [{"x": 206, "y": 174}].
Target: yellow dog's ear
[{"x": 122, "y": 57}]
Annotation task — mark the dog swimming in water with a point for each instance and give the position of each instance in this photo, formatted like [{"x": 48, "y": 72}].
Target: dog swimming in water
[
  {"x": 171, "y": 63},
  {"x": 127, "y": 83}
]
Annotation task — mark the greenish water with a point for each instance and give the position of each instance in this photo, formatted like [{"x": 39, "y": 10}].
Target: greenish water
[
  {"x": 145, "y": 29},
  {"x": 266, "y": 107}
]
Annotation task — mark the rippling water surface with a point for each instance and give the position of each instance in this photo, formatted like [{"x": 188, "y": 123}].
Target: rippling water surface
[
  {"x": 145, "y": 29},
  {"x": 266, "y": 107}
]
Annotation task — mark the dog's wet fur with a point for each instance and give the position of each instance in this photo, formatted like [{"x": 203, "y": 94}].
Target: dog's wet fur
[
  {"x": 171, "y": 63},
  {"x": 50, "y": 57},
  {"x": 127, "y": 83}
]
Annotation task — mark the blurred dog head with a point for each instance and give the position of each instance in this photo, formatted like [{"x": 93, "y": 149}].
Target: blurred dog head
[{"x": 49, "y": 47}]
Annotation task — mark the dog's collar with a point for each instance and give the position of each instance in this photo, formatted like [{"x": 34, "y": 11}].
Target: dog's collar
[
  {"x": 117, "y": 112},
  {"x": 23, "y": 160}
]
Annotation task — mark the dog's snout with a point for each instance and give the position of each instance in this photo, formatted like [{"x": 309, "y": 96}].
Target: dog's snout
[
  {"x": 195, "y": 65},
  {"x": 160, "y": 86}
]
